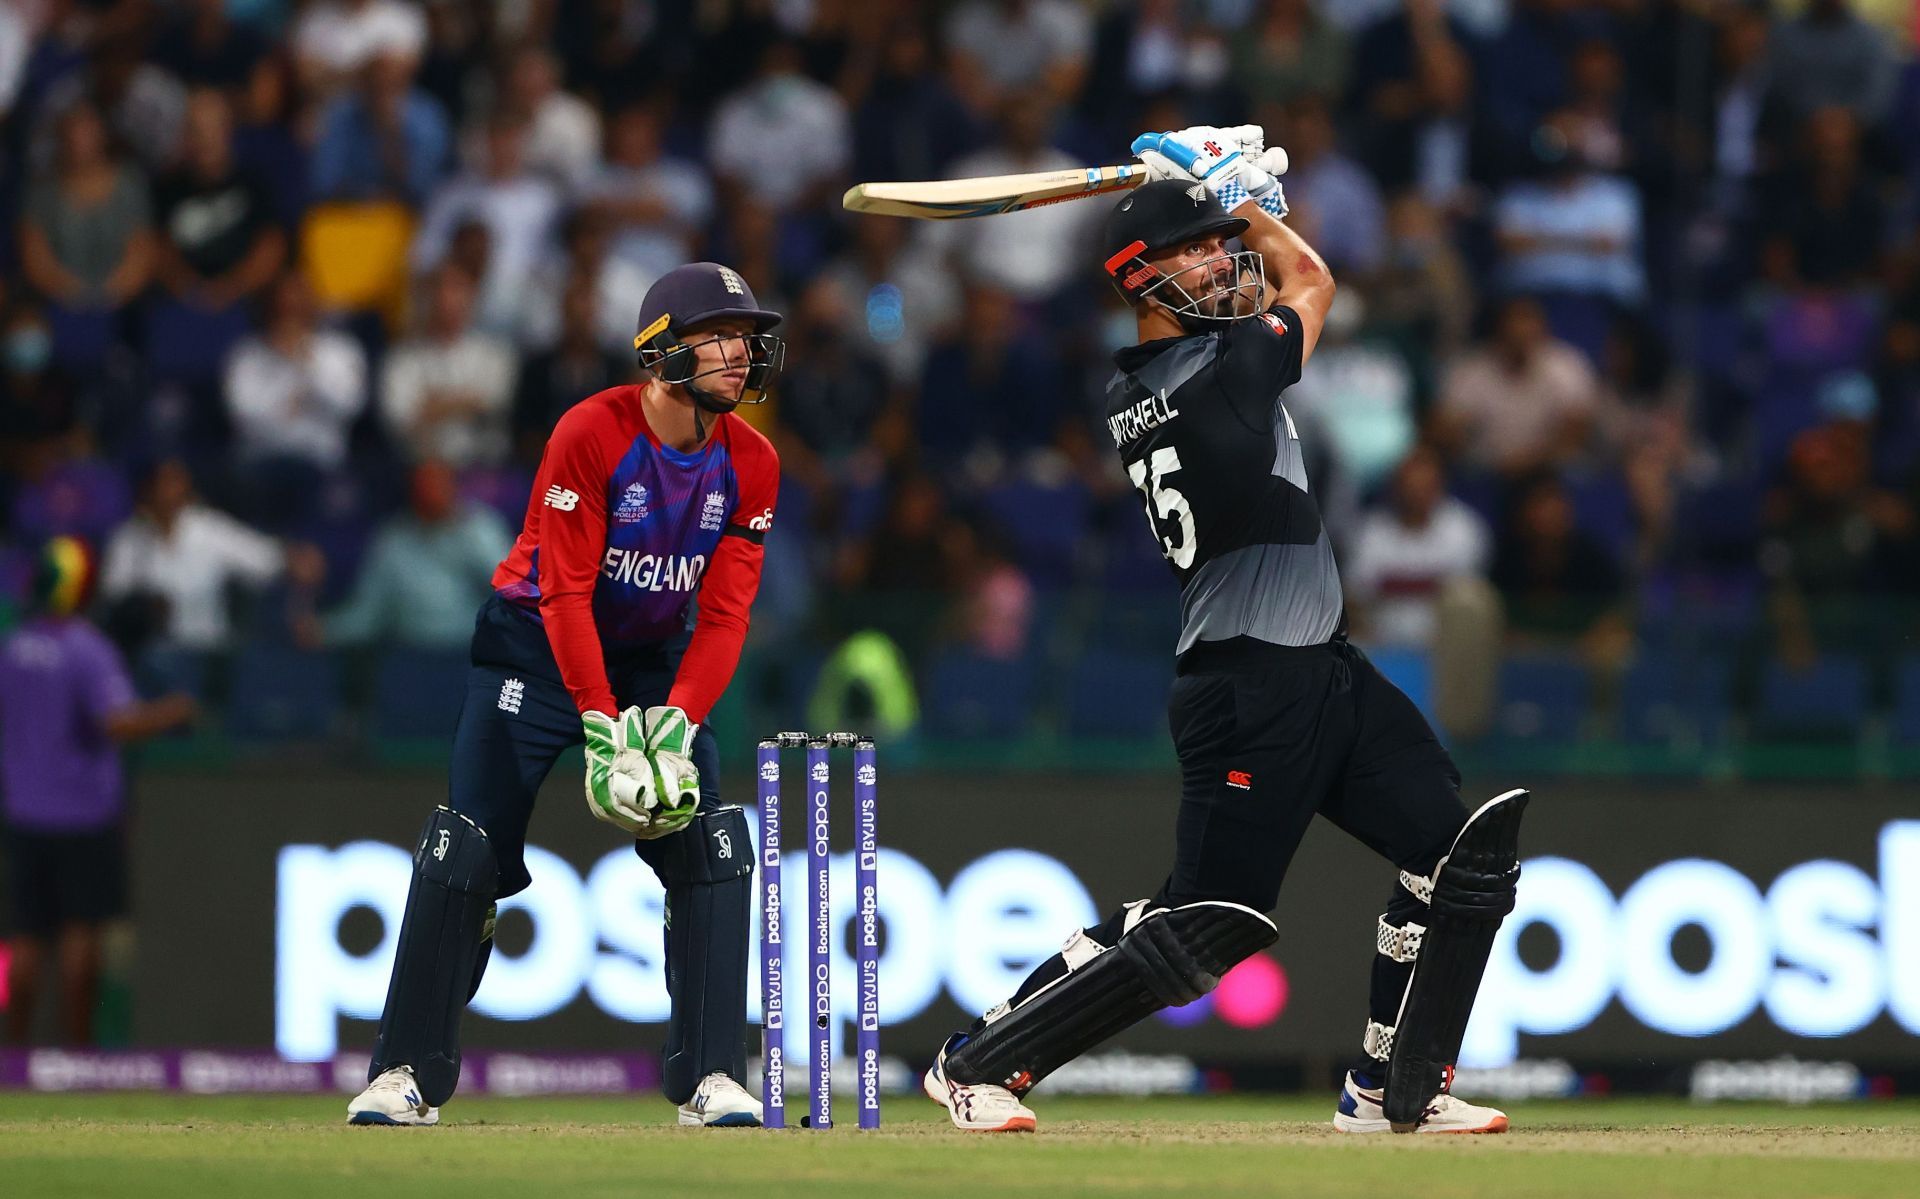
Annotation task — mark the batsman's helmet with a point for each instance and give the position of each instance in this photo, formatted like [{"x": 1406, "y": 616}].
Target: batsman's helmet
[{"x": 1162, "y": 214}]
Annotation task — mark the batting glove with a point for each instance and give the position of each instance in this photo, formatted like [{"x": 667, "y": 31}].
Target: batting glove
[
  {"x": 621, "y": 784},
  {"x": 676, "y": 780},
  {"x": 1231, "y": 164}
]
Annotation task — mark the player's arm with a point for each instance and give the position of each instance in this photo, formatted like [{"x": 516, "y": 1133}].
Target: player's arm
[
  {"x": 572, "y": 487},
  {"x": 1297, "y": 274},
  {"x": 728, "y": 589}
]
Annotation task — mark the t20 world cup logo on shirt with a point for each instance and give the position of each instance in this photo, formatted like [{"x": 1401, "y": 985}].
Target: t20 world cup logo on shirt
[{"x": 632, "y": 505}]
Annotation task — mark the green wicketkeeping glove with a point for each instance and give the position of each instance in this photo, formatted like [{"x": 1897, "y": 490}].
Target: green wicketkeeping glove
[
  {"x": 676, "y": 780},
  {"x": 621, "y": 787}
]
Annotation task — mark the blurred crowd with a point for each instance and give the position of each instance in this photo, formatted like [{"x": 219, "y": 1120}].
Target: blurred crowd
[{"x": 1629, "y": 313}]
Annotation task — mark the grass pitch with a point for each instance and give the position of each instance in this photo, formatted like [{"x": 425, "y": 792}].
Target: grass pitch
[{"x": 197, "y": 1148}]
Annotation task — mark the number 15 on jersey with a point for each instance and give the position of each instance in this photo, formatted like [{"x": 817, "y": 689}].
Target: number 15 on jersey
[{"x": 1165, "y": 505}]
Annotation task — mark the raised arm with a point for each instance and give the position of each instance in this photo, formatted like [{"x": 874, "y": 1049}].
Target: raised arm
[{"x": 1297, "y": 274}]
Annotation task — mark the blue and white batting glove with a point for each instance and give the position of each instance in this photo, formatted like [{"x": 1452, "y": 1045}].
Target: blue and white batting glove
[{"x": 1228, "y": 163}]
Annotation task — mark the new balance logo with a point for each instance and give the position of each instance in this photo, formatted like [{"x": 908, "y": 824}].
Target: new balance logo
[
  {"x": 511, "y": 693},
  {"x": 562, "y": 499}
]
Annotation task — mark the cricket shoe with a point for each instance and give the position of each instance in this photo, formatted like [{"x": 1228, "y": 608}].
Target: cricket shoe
[
  {"x": 975, "y": 1107},
  {"x": 1360, "y": 1111},
  {"x": 393, "y": 1098},
  {"x": 720, "y": 1102}
]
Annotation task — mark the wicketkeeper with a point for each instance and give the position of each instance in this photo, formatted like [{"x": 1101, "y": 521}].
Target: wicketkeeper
[
  {"x": 647, "y": 495},
  {"x": 1275, "y": 716}
]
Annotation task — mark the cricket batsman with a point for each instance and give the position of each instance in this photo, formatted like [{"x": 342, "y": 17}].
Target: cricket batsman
[
  {"x": 1275, "y": 716},
  {"x": 648, "y": 495}
]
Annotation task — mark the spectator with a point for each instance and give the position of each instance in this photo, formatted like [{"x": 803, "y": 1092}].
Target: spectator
[
  {"x": 1741, "y": 105},
  {"x": 907, "y": 122},
  {"x": 1533, "y": 59},
  {"x": 204, "y": 46},
  {"x": 427, "y": 571},
  {"x": 783, "y": 140},
  {"x": 1030, "y": 255},
  {"x": 563, "y": 130},
  {"x": 448, "y": 394},
  {"x": 1831, "y": 537},
  {"x": 141, "y": 103},
  {"x": 385, "y": 139},
  {"x": 1412, "y": 82},
  {"x": 905, "y": 294},
  {"x": 220, "y": 245},
  {"x": 659, "y": 205},
  {"x": 1421, "y": 296},
  {"x": 336, "y": 39},
  {"x": 1289, "y": 52},
  {"x": 573, "y": 369},
  {"x": 293, "y": 392},
  {"x": 268, "y": 140},
  {"x": 62, "y": 486},
  {"x": 1641, "y": 423},
  {"x": 1358, "y": 391},
  {"x": 66, "y": 707},
  {"x": 612, "y": 49},
  {"x": 1828, "y": 57},
  {"x": 993, "y": 392},
  {"x": 1409, "y": 550},
  {"x": 35, "y": 397},
  {"x": 1335, "y": 204},
  {"x": 1520, "y": 402},
  {"x": 1825, "y": 222},
  {"x": 1168, "y": 48},
  {"x": 1558, "y": 580},
  {"x": 168, "y": 571},
  {"x": 518, "y": 209},
  {"x": 1000, "y": 49},
  {"x": 86, "y": 243},
  {"x": 833, "y": 391},
  {"x": 618, "y": 287},
  {"x": 1572, "y": 236}
]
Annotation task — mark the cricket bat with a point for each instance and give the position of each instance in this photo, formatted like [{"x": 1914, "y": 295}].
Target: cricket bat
[{"x": 952, "y": 199}]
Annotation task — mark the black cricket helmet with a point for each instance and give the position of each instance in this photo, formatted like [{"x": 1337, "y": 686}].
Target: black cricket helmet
[
  {"x": 689, "y": 296},
  {"x": 1165, "y": 213}
]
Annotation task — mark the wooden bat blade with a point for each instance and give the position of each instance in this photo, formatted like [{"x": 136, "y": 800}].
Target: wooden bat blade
[{"x": 953, "y": 199}]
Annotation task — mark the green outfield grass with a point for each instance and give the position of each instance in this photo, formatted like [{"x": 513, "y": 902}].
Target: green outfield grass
[{"x": 154, "y": 1145}]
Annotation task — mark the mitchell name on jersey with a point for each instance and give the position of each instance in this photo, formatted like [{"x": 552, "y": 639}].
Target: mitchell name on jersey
[{"x": 1131, "y": 422}]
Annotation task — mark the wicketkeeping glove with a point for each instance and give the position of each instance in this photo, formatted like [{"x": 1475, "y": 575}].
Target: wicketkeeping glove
[
  {"x": 676, "y": 780},
  {"x": 621, "y": 786}
]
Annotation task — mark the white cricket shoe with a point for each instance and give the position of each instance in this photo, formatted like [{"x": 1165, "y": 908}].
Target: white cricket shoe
[
  {"x": 720, "y": 1102},
  {"x": 1360, "y": 1111},
  {"x": 392, "y": 1098},
  {"x": 975, "y": 1107}
]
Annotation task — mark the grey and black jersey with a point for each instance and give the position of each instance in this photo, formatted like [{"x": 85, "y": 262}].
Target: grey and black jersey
[{"x": 1205, "y": 439}]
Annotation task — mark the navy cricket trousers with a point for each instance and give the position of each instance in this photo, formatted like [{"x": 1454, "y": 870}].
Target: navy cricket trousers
[{"x": 517, "y": 718}]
